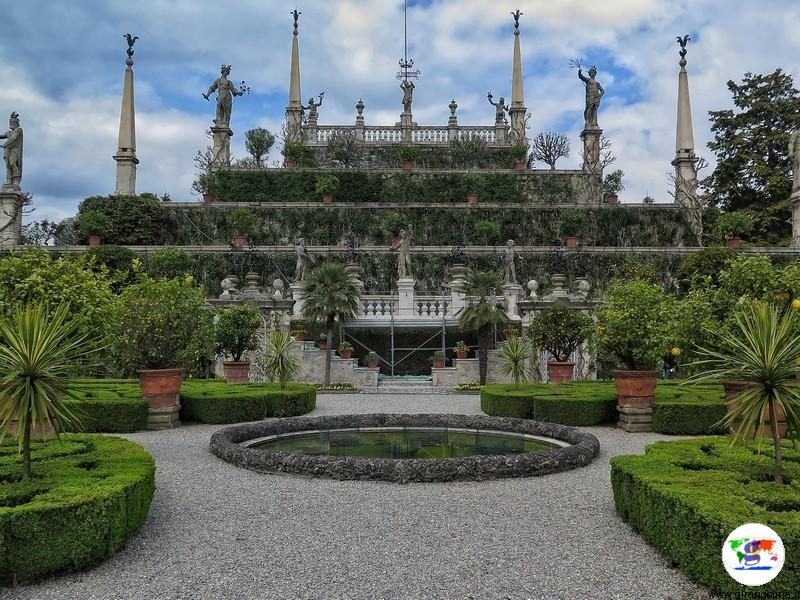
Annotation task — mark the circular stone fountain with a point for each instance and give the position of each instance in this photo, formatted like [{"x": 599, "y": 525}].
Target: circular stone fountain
[{"x": 404, "y": 448}]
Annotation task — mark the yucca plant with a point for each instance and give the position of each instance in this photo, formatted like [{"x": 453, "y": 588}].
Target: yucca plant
[
  {"x": 515, "y": 359},
  {"x": 38, "y": 352},
  {"x": 763, "y": 349},
  {"x": 280, "y": 365}
]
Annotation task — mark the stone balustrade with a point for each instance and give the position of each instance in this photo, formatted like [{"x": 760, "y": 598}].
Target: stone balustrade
[{"x": 389, "y": 135}]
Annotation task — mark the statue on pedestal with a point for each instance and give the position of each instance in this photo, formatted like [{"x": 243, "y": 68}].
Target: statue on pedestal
[
  {"x": 594, "y": 93},
  {"x": 510, "y": 270},
  {"x": 225, "y": 90},
  {"x": 12, "y": 151},
  {"x": 304, "y": 261},
  {"x": 312, "y": 107},
  {"x": 403, "y": 247},
  {"x": 408, "y": 95},
  {"x": 794, "y": 156},
  {"x": 502, "y": 109}
]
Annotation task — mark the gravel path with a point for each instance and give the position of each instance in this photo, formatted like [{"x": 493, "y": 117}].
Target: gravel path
[{"x": 218, "y": 532}]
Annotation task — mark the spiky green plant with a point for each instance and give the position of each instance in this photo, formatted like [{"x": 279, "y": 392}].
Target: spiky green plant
[
  {"x": 280, "y": 365},
  {"x": 482, "y": 313},
  {"x": 515, "y": 359},
  {"x": 39, "y": 351},
  {"x": 330, "y": 293},
  {"x": 763, "y": 349}
]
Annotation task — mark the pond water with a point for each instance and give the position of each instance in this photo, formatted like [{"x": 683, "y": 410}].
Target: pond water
[{"x": 405, "y": 443}]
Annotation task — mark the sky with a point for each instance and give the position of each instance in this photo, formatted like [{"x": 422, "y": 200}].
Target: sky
[{"x": 62, "y": 62}]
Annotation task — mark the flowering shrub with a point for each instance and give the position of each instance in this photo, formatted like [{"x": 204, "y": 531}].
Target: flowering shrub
[{"x": 560, "y": 330}]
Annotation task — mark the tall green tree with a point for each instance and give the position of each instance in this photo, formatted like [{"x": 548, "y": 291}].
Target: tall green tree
[
  {"x": 753, "y": 169},
  {"x": 482, "y": 312},
  {"x": 330, "y": 294},
  {"x": 258, "y": 142}
]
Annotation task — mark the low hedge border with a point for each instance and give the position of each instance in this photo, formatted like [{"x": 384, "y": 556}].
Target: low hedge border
[
  {"x": 108, "y": 405},
  {"x": 216, "y": 402},
  {"x": 88, "y": 494},
  {"x": 686, "y": 497},
  {"x": 678, "y": 409}
]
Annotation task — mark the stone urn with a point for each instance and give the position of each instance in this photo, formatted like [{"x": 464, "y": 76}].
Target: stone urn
[
  {"x": 94, "y": 241},
  {"x": 560, "y": 372},
  {"x": 236, "y": 371},
  {"x": 161, "y": 388},
  {"x": 571, "y": 241},
  {"x": 472, "y": 198},
  {"x": 635, "y": 389}
]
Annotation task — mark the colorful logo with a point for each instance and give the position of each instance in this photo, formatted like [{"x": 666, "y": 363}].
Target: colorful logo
[{"x": 753, "y": 554}]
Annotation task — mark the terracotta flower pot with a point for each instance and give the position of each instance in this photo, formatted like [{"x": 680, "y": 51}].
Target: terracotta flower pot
[
  {"x": 613, "y": 199},
  {"x": 372, "y": 364},
  {"x": 236, "y": 371},
  {"x": 462, "y": 355},
  {"x": 520, "y": 166},
  {"x": 735, "y": 243},
  {"x": 291, "y": 164},
  {"x": 327, "y": 199},
  {"x": 733, "y": 388},
  {"x": 437, "y": 364},
  {"x": 94, "y": 240},
  {"x": 207, "y": 198},
  {"x": 571, "y": 241},
  {"x": 345, "y": 354},
  {"x": 299, "y": 337},
  {"x": 322, "y": 345},
  {"x": 472, "y": 198},
  {"x": 239, "y": 241},
  {"x": 161, "y": 388},
  {"x": 561, "y": 372},
  {"x": 408, "y": 165},
  {"x": 635, "y": 389}
]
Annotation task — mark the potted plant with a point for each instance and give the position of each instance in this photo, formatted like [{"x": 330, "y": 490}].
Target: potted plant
[
  {"x": 634, "y": 332},
  {"x": 733, "y": 225},
  {"x": 299, "y": 334},
  {"x": 91, "y": 224},
  {"x": 474, "y": 183},
  {"x": 510, "y": 331},
  {"x": 201, "y": 185},
  {"x": 293, "y": 153},
  {"x": 241, "y": 220},
  {"x": 408, "y": 155},
  {"x": 372, "y": 359},
  {"x": 326, "y": 187},
  {"x": 571, "y": 222},
  {"x": 345, "y": 351},
  {"x": 437, "y": 360},
  {"x": 235, "y": 334},
  {"x": 560, "y": 331},
  {"x": 161, "y": 328},
  {"x": 612, "y": 186},
  {"x": 519, "y": 153},
  {"x": 322, "y": 342},
  {"x": 461, "y": 350}
]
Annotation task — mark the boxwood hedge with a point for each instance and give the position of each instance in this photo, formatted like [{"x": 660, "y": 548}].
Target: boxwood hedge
[
  {"x": 217, "y": 402},
  {"x": 87, "y": 496},
  {"x": 108, "y": 405},
  {"x": 678, "y": 409},
  {"x": 686, "y": 497}
]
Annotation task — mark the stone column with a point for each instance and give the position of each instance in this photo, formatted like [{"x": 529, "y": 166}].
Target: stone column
[
  {"x": 406, "y": 126},
  {"x": 794, "y": 202},
  {"x": 222, "y": 147},
  {"x": 452, "y": 121},
  {"x": 511, "y": 293},
  {"x": 591, "y": 151},
  {"x": 458, "y": 274},
  {"x": 298, "y": 295},
  {"x": 126, "y": 143},
  {"x": 294, "y": 109},
  {"x": 10, "y": 216},
  {"x": 360, "y": 119},
  {"x": 405, "y": 290},
  {"x": 517, "y": 111}
]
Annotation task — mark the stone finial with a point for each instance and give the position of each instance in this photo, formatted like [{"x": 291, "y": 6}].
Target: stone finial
[
  {"x": 360, "y": 107},
  {"x": 131, "y": 41},
  {"x": 682, "y": 42},
  {"x": 278, "y": 286},
  {"x": 296, "y": 16},
  {"x": 517, "y": 14},
  {"x": 227, "y": 288},
  {"x": 533, "y": 287},
  {"x": 453, "y": 107}
]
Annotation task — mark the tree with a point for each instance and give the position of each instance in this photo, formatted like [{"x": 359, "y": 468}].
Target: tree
[
  {"x": 38, "y": 233},
  {"x": 751, "y": 145},
  {"x": 330, "y": 294},
  {"x": 548, "y": 148},
  {"x": 515, "y": 359},
  {"x": 258, "y": 142},
  {"x": 345, "y": 147},
  {"x": 235, "y": 330},
  {"x": 37, "y": 356},
  {"x": 279, "y": 363},
  {"x": 482, "y": 312}
]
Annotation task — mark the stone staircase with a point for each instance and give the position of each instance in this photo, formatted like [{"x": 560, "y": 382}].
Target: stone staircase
[{"x": 407, "y": 387}]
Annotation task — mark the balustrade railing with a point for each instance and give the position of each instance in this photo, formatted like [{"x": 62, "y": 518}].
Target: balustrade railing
[{"x": 419, "y": 135}]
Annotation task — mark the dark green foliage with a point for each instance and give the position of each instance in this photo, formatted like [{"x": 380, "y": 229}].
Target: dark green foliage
[
  {"x": 216, "y": 402},
  {"x": 686, "y": 497},
  {"x": 258, "y": 142},
  {"x": 92, "y": 222},
  {"x": 560, "y": 330},
  {"x": 108, "y": 405},
  {"x": 119, "y": 262},
  {"x": 132, "y": 220},
  {"x": 168, "y": 263},
  {"x": 235, "y": 330},
  {"x": 91, "y": 494},
  {"x": 709, "y": 262}
]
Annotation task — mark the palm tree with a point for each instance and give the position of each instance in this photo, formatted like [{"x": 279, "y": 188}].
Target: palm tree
[
  {"x": 330, "y": 293},
  {"x": 763, "y": 349},
  {"x": 39, "y": 351},
  {"x": 279, "y": 363},
  {"x": 515, "y": 359},
  {"x": 483, "y": 313}
]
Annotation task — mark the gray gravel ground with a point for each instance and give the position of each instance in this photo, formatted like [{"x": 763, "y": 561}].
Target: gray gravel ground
[{"x": 218, "y": 532}]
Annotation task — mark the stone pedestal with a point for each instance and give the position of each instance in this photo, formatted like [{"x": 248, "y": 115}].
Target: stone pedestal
[
  {"x": 163, "y": 418},
  {"x": 126, "y": 173},
  {"x": 511, "y": 294},
  {"x": 222, "y": 147},
  {"x": 10, "y": 216},
  {"x": 517, "y": 117},
  {"x": 406, "y": 125},
  {"x": 298, "y": 295},
  {"x": 794, "y": 203},
  {"x": 635, "y": 420},
  {"x": 311, "y": 129},
  {"x": 500, "y": 132},
  {"x": 591, "y": 150},
  {"x": 405, "y": 290},
  {"x": 458, "y": 274}
]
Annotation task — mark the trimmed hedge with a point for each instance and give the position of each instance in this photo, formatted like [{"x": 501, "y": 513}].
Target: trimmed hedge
[
  {"x": 217, "y": 402},
  {"x": 108, "y": 405},
  {"x": 686, "y": 497},
  {"x": 87, "y": 496},
  {"x": 677, "y": 410}
]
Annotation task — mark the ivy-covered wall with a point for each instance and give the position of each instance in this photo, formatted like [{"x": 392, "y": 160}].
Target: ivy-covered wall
[{"x": 282, "y": 185}]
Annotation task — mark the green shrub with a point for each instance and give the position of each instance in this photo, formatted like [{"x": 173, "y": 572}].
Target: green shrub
[
  {"x": 572, "y": 221},
  {"x": 91, "y": 494},
  {"x": 560, "y": 330},
  {"x": 168, "y": 263},
  {"x": 92, "y": 222},
  {"x": 108, "y": 405},
  {"x": 235, "y": 330},
  {"x": 734, "y": 224},
  {"x": 685, "y": 498},
  {"x": 216, "y": 402},
  {"x": 709, "y": 262},
  {"x": 327, "y": 185},
  {"x": 132, "y": 220}
]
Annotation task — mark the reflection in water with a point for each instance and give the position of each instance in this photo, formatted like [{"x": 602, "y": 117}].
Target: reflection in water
[{"x": 425, "y": 443}]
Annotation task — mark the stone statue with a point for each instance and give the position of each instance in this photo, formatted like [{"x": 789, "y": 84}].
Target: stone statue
[
  {"x": 226, "y": 90},
  {"x": 502, "y": 109},
  {"x": 13, "y": 152},
  {"x": 304, "y": 261},
  {"x": 131, "y": 41},
  {"x": 794, "y": 156},
  {"x": 408, "y": 95},
  {"x": 403, "y": 247},
  {"x": 510, "y": 270},
  {"x": 313, "y": 106},
  {"x": 594, "y": 93}
]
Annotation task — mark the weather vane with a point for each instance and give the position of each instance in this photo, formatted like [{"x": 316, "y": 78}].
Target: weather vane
[
  {"x": 131, "y": 41},
  {"x": 683, "y": 41},
  {"x": 517, "y": 14},
  {"x": 407, "y": 70}
]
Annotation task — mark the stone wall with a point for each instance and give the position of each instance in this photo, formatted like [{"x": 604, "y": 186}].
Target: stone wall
[{"x": 312, "y": 368}]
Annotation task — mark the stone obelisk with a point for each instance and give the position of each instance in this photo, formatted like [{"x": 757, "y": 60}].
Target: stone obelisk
[
  {"x": 294, "y": 110},
  {"x": 517, "y": 111},
  {"x": 126, "y": 144}
]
